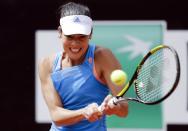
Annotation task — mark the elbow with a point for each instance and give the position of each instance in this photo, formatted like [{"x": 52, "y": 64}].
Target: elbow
[
  {"x": 57, "y": 123},
  {"x": 60, "y": 121},
  {"x": 56, "y": 119}
]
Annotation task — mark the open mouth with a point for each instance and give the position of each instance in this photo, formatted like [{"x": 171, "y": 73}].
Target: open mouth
[{"x": 75, "y": 50}]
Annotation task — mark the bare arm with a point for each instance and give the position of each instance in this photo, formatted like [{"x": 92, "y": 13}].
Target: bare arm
[
  {"x": 59, "y": 115},
  {"x": 105, "y": 64}
]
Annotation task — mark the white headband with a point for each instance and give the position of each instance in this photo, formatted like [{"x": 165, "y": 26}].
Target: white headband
[{"x": 76, "y": 24}]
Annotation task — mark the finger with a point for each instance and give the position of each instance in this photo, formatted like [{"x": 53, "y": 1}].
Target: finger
[
  {"x": 92, "y": 119},
  {"x": 92, "y": 108},
  {"x": 108, "y": 111},
  {"x": 111, "y": 103},
  {"x": 89, "y": 110},
  {"x": 95, "y": 116},
  {"x": 101, "y": 107},
  {"x": 104, "y": 103},
  {"x": 107, "y": 98}
]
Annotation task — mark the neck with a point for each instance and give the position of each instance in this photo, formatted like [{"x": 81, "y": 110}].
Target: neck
[{"x": 77, "y": 62}]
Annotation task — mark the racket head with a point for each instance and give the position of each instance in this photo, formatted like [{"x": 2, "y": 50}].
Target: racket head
[{"x": 157, "y": 75}]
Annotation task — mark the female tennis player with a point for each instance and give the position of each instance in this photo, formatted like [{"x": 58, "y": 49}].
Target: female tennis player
[{"x": 77, "y": 80}]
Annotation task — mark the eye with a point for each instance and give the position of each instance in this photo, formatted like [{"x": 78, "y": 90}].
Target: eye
[
  {"x": 83, "y": 37},
  {"x": 69, "y": 37}
]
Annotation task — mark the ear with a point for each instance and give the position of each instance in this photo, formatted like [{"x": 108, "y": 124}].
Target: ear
[{"x": 59, "y": 31}]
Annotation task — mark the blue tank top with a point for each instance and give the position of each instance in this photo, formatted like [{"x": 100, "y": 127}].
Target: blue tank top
[{"x": 78, "y": 87}]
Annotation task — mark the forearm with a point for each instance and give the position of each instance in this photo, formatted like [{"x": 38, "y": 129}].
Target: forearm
[{"x": 62, "y": 116}]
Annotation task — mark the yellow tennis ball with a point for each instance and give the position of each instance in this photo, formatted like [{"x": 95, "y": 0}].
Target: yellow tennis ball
[{"x": 118, "y": 77}]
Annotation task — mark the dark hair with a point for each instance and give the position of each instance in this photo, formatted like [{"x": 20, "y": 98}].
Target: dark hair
[{"x": 72, "y": 8}]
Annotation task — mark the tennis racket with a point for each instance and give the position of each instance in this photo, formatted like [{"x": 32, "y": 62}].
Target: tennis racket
[{"x": 155, "y": 78}]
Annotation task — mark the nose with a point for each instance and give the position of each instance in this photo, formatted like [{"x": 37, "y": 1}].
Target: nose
[{"x": 75, "y": 42}]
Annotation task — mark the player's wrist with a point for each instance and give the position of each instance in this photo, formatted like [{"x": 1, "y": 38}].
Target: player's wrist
[{"x": 82, "y": 112}]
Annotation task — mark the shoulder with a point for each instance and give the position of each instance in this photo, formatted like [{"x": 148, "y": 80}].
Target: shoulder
[
  {"x": 102, "y": 52},
  {"x": 105, "y": 60},
  {"x": 47, "y": 62},
  {"x": 104, "y": 55}
]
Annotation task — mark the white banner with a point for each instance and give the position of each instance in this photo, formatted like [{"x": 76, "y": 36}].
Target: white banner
[{"x": 175, "y": 107}]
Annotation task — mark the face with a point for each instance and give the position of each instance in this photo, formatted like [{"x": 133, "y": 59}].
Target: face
[{"x": 75, "y": 46}]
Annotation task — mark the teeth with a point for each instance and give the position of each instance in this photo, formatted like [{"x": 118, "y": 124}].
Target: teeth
[{"x": 75, "y": 50}]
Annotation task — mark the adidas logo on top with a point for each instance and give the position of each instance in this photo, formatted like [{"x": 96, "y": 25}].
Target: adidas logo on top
[{"x": 76, "y": 20}]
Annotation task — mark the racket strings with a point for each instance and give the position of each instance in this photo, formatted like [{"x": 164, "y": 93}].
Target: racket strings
[
  {"x": 151, "y": 70},
  {"x": 154, "y": 95},
  {"x": 156, "y": 76}
]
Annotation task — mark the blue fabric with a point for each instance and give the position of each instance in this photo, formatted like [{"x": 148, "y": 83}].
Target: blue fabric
[{"x": 78, "y": 87}]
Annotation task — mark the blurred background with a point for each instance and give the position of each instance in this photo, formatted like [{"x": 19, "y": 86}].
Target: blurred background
[{"x": 18, "y": 23}]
